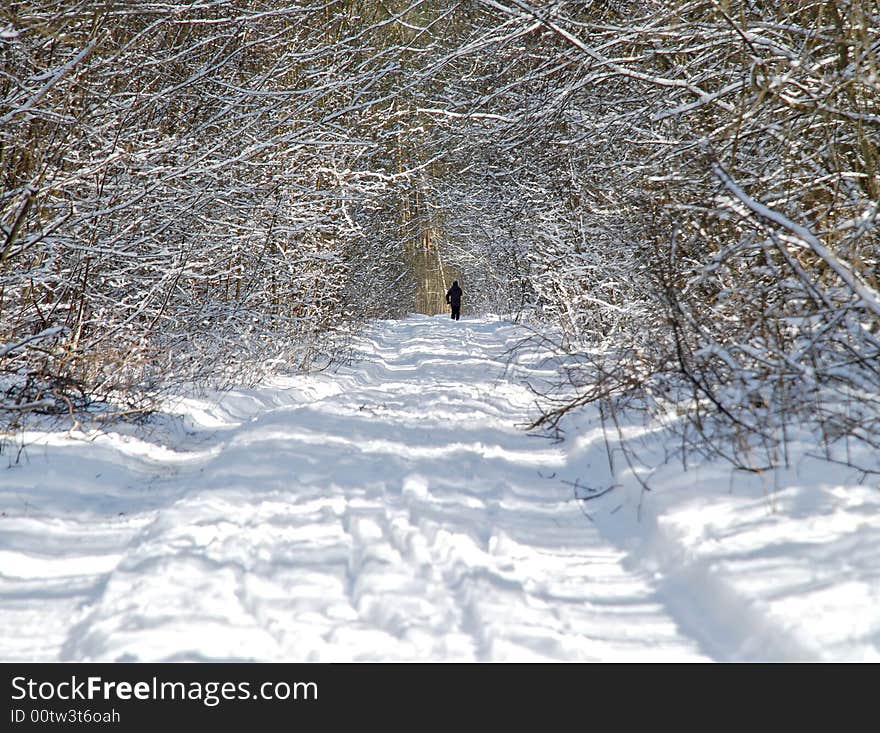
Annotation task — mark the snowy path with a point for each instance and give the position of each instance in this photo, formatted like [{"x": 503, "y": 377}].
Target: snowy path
[
  {"x": 395, "y": 510},
  {"x": 391, "y": 511}
]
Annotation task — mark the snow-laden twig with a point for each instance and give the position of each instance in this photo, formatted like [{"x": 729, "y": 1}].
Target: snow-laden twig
[
  {"x": 868, "y": 295},
  {"x": 56, "y": 78},
  {"x": 47, "y": 333}
]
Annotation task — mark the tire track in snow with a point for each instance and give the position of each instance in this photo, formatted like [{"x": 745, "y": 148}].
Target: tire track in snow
[{"x": 400, "y": 515}]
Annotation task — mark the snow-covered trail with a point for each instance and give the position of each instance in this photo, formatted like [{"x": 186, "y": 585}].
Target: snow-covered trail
[{"x": 393, "y": 510}]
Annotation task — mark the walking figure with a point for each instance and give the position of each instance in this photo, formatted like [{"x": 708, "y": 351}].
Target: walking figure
[{"x": 453, "y": 297}]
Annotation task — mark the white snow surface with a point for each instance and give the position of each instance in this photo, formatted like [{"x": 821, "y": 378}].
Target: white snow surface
[{"x": 395, "y": 509}]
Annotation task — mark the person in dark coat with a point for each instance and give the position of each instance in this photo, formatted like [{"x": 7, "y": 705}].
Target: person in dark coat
[{"x": 453, "y": 297}]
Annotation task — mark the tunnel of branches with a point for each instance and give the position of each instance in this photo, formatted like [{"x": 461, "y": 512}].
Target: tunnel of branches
[{"x": 679, "y": 196}]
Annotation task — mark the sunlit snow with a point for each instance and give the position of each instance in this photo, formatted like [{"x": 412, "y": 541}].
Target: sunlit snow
[{"x": 395, "y": 509}]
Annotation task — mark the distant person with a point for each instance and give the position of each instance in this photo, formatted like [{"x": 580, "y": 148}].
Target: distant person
[{"x": 453, "y": 297}]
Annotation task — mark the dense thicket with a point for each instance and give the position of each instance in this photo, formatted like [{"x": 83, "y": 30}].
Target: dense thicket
[
  {"x": 190, "y": 188},
  {"x": 695, "y": 191},
  {"x": 687, "y": 189}
]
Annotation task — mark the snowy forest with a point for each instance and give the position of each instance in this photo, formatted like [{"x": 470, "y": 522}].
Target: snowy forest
[
  {"x": 237, "y": 422},
  {"x": 684, "y": 192}
]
